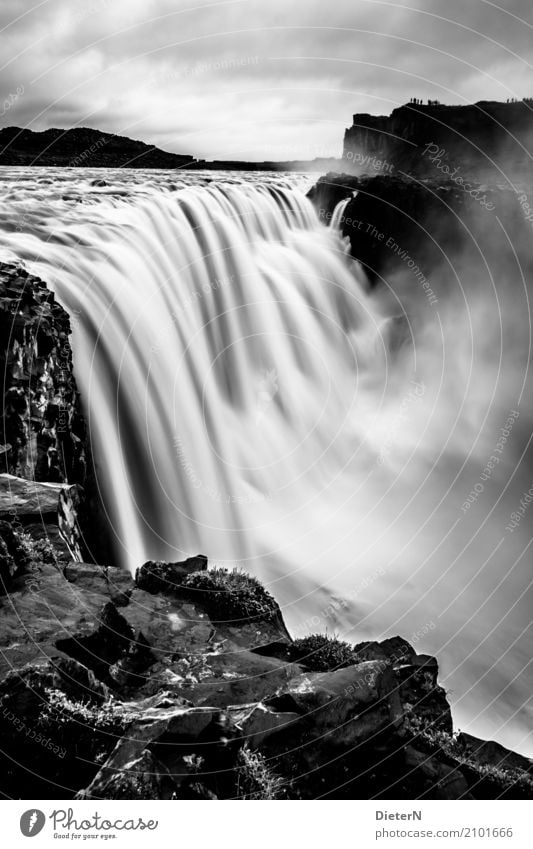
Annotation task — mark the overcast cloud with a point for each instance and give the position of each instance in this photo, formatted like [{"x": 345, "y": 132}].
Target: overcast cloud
[{"x": 253, "y": 79}]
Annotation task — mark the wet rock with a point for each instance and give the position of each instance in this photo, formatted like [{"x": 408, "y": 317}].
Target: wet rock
[
  {"x": 154, "y": 694},
  {"x": 158, "y": 577},
  {"x": 14, "y": 557},
  {"x": 166, "y": 732},
  {"x": 257, "y": 722},
  {"x": 142, "y": 777},
  {"x": 350, "y": 704},
  {"x": 40, "y": 403},
  {"x": 433, "y": 777},
  {"x": 112, "y": 640},
  {"x": 105, "y": 580},
  {"x": 52, "y": 505}
]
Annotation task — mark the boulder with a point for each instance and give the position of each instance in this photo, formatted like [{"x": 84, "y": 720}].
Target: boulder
[
  {"x": 49, "y": 505},
  {"x": 433, "y": 778},
  {"x": 104, "y": 580},
  {"x": 256, "y": 723},
  {"x": 155, "y": 576},
  {"x": 350, "y": 705}
]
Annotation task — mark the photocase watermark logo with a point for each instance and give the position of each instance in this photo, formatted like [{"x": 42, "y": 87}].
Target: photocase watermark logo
[{"x": 32, "y": 822}]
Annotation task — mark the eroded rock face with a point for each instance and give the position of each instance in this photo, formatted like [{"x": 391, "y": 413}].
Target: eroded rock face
[
  {"x": 43, "y": 429},
  {"x": 407, "y": 231},
  {"x": 42, "y": 425},
  {"x": 474, "y": 139},
  {"x": 111, "y": 691}
]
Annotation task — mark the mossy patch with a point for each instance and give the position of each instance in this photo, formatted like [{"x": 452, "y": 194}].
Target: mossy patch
[
  {"x": 322, "y": 653},
  {"x": 230, "y": 595}
]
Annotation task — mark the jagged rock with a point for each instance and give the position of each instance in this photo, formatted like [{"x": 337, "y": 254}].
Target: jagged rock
[
  {"x": 393, "y": 650},
  {"x": 433, "y": 778},
  {"x": 24, "y": 691},
  {"x": 257, "y": 722},
  {"x": 350, "y": 704},
  {"x": 112, "y": 640},
  {"x": 40, "y": 405},
  {"x": 131, "y": 671},
  {"x": 14, "y": 558},
  {"x": 142, "y": 777},
  {"x": 52, "y": 505},
  {"x": 482, "y": 137},
  {"x": 41, "y": 609},
  {"x": 490, "y": 753},
  {"x": 158, "y": 696},
  {"x": 172, "y": 729},
  {"x": 417, "y": 677},
  {"x": 105, "y": 580}
]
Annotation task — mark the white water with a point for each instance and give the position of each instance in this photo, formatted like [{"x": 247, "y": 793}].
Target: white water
[{"x": 248, "y": 399}]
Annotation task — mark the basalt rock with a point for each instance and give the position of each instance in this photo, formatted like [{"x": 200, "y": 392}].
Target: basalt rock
[
  {"x": 42, "y": 422},
  {"x": 158, "y": 577},
  {"x": 418, "y": 237},
  {"x": 44, "y": 437},
  {"x": 487, "y": 139},
  {"x": 112, "y": 691}
]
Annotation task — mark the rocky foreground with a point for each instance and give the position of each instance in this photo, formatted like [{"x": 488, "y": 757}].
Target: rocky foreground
[{"x": 183, "y": 682}]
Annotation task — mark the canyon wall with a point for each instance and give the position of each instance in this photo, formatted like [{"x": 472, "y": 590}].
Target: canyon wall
[{"x": 489, "y": 139}]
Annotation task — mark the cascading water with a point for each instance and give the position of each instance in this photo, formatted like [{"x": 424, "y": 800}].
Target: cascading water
[{"x": 247, "y": 398}]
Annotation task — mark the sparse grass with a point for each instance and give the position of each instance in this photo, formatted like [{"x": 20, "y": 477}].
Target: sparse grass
[
  {"x": 39, "y": 550},
  {"x": 255, "y": 779},
  {"x": 83, "y": 726},
  {"x": 230, "y": 595},
  {"x": 439, "y": 741},
  {"x": 322, "y": 653},
  {"x": 15, "y": 555}
]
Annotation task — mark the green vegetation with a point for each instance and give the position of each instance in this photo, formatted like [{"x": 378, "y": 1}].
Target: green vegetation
[
  {"x": 230, "y": 595},
  {"x": 322, "y": 653}
]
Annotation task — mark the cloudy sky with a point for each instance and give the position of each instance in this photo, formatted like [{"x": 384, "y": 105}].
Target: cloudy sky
[{"x": 252, "y": 79}]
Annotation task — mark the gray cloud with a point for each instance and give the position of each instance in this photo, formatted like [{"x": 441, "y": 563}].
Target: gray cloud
[{"x": 244, "y": 78}]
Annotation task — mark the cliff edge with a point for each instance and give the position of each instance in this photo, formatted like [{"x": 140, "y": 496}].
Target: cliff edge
[{"x": 489, "y": 139}]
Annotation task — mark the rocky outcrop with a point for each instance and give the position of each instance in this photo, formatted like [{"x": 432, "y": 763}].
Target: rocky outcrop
[
  {"x": 488, "y": 139},
  {"x": 44, "y": 438},
  {"x": 43, "y": 430},
  {"x": 115, "y": 687},
  {"x": 426, "y": 234},
  {"x": 82, "y": 147}
]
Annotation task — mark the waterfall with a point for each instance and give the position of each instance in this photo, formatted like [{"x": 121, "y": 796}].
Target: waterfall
[
  {"x": 248, "y": 399},
  {"x": 338, "y": 212}
]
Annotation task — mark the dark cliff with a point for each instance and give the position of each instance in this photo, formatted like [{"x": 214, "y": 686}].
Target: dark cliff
[
  {"x": 82, "y": 147},
  {"x": 44, "y": 438},
  {"x": 493, "y": 140},
  {"x": 425, "y": 234}
]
